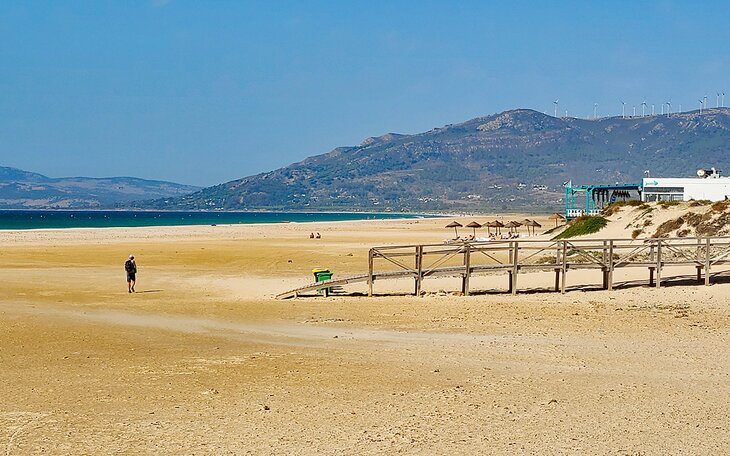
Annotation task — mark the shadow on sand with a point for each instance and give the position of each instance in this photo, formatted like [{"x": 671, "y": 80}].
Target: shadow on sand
[{"x": 667, "y": 281}]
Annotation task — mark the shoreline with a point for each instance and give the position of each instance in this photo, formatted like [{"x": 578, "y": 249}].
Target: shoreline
[{"x": 207, "y": 218}]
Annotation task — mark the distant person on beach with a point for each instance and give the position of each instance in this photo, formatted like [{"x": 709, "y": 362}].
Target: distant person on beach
[
  {"x": 131, "y": 267},
  {"x": 311, "y": 235},
  {"x": 318, "y": 236}
]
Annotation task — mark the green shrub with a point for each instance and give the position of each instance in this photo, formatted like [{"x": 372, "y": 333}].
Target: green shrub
[
  {"x": 583, "y": 225},
  {"x": 553, "y": 229}
]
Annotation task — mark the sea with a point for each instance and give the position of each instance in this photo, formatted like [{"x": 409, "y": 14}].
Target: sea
[{"x": 46, "y": 219}]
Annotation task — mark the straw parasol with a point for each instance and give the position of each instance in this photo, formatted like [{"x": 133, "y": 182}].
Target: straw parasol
[
  {"x": 557, "y": 217},
  {"x": 455, "y": 225},
  {"x": 527, "y": 223},
  {"x": 512, "y": 224},
  {"x": 495, "y": 224},
  {"x": 474, "y": 225},
  {"x": 533, "y": 224}
]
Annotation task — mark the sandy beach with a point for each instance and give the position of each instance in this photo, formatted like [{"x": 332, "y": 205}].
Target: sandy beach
[{"x": 203, "y": 359}]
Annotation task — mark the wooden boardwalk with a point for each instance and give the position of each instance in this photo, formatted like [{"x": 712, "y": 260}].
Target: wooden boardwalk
[{"x": 512, "y": 257}]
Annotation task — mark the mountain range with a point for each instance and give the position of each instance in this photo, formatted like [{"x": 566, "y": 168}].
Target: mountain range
[
  {"x": 513, "y": 160},
  {"x": 26, "y": 190}
]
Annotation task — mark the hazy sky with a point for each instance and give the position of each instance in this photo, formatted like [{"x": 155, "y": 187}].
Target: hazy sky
[{"x": 203, "y": 92}]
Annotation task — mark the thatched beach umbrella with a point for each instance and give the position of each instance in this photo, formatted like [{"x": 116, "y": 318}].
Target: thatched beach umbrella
[
  {"x": 527, "y": 223},
  {"x": 474, "y": 225},
  {"x": 512, "y": 224},
  {"x": 557, "y": 217},
  {"x": 495, "y": 224},
  {"x": 533, "y": 224},
  {"x": 455, "y": 225}
]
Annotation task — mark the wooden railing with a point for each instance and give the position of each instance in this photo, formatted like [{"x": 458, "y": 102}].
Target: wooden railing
[{"x": 560, "y": 256}]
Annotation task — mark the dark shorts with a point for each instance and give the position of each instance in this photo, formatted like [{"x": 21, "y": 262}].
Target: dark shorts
[{"x": 131, "y": 276}]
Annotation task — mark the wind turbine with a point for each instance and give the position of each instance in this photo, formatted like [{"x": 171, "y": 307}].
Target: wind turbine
[
  {"x": 623, "y": 109},
  {"x": 556, "y": 107},
  {"x": 643, "y": 108},
  {"x": 595, "y": 107},
  {"x": 717, "y": 100},
  {"x": 669, "y": 108},
  {"x": 701, "y": 103},
  {"x": 663, "y": 108},
  {"x": 652, "y": 109},
  {"x": 634, "y": 111},
  {"x": 704, "y": 102},
  {"x": 722, "y": 99}
]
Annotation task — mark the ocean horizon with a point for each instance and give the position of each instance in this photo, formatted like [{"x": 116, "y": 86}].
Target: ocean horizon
[{"x": 26, "y": 219}]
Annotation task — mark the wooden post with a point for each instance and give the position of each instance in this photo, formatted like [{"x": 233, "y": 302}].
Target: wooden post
[
  {"x": 515, "y": 255},
  {"x": 604, "y": 267},
  {"x": 659, "y": 264},
  {"x": 610, "y": 265},
  {"x": 370, "y": 272},
  {"x": 707, "y": 262},
  {"x": 651, "y": 268},
  {"x": 557, "y": 270},
  {"x": 467, "y": 270},
  {"x": 419, "y": 269},
  {"x": 564, "y": 267},
  {"x": 698, "y": 257},
  {"x": 509, "y": 256}
]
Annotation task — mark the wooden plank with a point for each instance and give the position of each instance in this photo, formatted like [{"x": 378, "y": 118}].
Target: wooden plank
[
  {"x": 370, "y": 272},
  {"x": 419, "y": 269},
  {"x": 515, "y": 267},
  {"x": 557, "y": 270},
  {"x": 610, "y": 265},
  {"x": 604, "y": 260},
  {"x": 659, "y": 264},
  {"x": 564, "y": 267},
  {"x": 652, "y": 260},
  {"x": 467, "y": 271},
  {"x": 707, "y": 262}
]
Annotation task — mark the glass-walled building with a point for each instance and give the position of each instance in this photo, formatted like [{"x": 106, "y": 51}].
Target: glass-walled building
[{"x": 685, "y": 189}]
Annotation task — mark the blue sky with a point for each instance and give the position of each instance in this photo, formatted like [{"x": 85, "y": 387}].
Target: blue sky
[{"x": 208, "y": 91}]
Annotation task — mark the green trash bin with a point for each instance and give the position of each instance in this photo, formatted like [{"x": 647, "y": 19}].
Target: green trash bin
[{"x": 320, "y": 275}]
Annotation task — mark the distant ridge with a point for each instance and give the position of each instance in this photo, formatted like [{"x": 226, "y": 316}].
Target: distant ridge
[
  {"x": 513, "y": 160},
  {"x": 26, "y": 190}
]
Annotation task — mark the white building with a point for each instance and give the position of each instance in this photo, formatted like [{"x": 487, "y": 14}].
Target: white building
[{"x": 707, "y": 186}]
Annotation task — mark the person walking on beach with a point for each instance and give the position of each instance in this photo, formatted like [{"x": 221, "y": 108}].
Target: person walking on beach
[{"x": 131, "y": 267}]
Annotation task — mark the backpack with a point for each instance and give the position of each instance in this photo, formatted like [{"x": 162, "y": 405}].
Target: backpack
[{"x": 129, "y": 266}]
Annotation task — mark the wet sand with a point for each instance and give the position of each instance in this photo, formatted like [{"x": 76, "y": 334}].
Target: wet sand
[{"x": 203, "y": 360}]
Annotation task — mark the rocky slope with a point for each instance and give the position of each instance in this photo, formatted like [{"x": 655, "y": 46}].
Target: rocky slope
[
  {"x": 25, "y": 190},
  {"x": 510, "y": 161}
]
